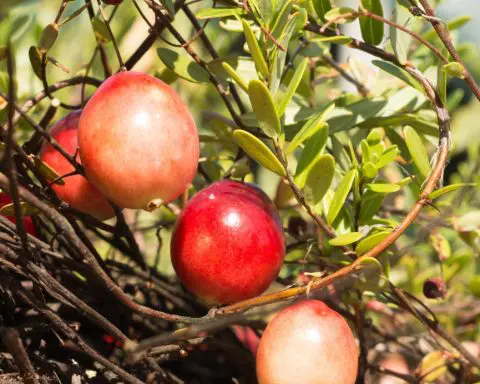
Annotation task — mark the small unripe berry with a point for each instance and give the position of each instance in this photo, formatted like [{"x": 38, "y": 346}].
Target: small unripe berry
[{"x": 307, "y": 342}]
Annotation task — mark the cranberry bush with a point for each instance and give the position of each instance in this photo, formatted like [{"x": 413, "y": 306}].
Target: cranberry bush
[{"x": 226, "y": 141}]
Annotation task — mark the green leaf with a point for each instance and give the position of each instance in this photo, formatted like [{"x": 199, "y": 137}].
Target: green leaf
[
  {"x": 292, "y": 87},
  {"x": 322, "y": 7},
  {"x": 442, "y": 83},
  {"x": 46, "y": 171},
  {"x": 35, "y": 60},
  {"x": 387, "y": 157},
  {"x": 370, "y": 205},
  {"x": 266, "y": 9},
  {"x": 346, "y": 239},
  {"x": 258, "y": 151},
  {"x": 341, "y": 15},
  {"x": 398, "y": 73},
  {"x": 312, "y": 126},
  {"x": 235, "y": 76},
  {"x": 417, "y": 151},
  {"x": 264, "y": 108},
  {"x": 281, "y": 21},
  {"x": 432, "y": 366},
  {"x": 369, "y": 242},
  {"x": 211, "y": 13},
  {"x": 372, "y": 30},
  {"x": 401, "y": 41},
  {"x": 319, "y": 178},
  {"x": 369, "y": 170},
  {"x": 101, "y": 31},
  {"x": 449, "y": 188},
  {"x": 383, "y": 188},
  {"x": 370, "y": 274},
  {"x": 255, "y": 50},
  {"x": 26, "y": 209},
  {"x": 278, "y": 60},
  {"x": 340, "y": 195},
  {"x": 335, "y": 39},
  {"x": 454, "y": 69},
  {"x": 313, "y": 149},
  {"x": 451, "y": 25},
  {"x": 48, "y": 38},
  {"x": 183, "y": 66}
]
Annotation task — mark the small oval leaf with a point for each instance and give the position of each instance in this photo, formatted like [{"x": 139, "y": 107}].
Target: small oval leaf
[
  {"x": 369, "y": 242},
  {"x": 258, "y": 151},
  {"x": 319, "y": 178},
  {"x": 27, "y": 209},
  {"x": 255, "y": 50},
  {"x": 340, "y": 195},
  {"x": 383, "y": 188},
  {"x": 454, "y": 69},
  {"x": 313, "y": 148},
  {"x": 48, "y": 38},
  {"x": 417, "y": 151},
  {"x": 264, "y": 108},
  {"x": 235, "y": 76},
  {"x": 183, "y": 66},
  {"x": 322, "y": 7},
  {"x": 335, "y": 39},
  {"x": 372, "y": 30},
  {"x": 35, "y": 60},
  {"x": 346, "y": 239},
  {"x": 449, "y": 188},
  {"x": 311, "y": 127},
  {"x": 46, "y": 171},
  {"x": 101, "y": 31},
  {"x": 292, "y": 87},
  {"x": 369, "y": 170},
  {"x": 341, "y": 15}
]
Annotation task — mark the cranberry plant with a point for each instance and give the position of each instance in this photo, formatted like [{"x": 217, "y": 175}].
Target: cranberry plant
[{"x": 372, "y": 166}]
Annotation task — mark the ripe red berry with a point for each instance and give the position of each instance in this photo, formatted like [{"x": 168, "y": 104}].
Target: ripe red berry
[
  {"x": 138, "y": 141},
  {"x": 77, "y": 190},
  {"x": 307, "y": 342},
  {"x": 27, "y": 220},
  {"x": 228, "y": 243}
]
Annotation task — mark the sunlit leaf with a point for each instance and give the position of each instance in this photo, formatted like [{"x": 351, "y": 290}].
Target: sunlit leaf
[
  {"x": 235, "y": 76},
  {"x": 183, "y": 65},
  {"x": 372, "y": 30},
  {"x": 292, "y": 87},
  {"x": 101, "y": 31},
  {"x": 311, "y": 127},
  {"x": 370, "y": 242},
  {"x": 417, "y": 151},
  {"x": 341, "y": 15},
  {"x": 26, "y": 209},
  {"x": 454, "y": 69},
  {"x": 255, "y": 50},
  {"x": 449, "y": 188},
  {"x": 264, "y": 108},
  {"x": 383, "y": 188},
  {"x": 432, "y": 366},
  {"x": 346, "y": 239},
  {"x": 322, "y": 7},
  {"x": 340, "y": 196},
  {"x": 211, "y": 13},
  {"x": 313, "y": 149},
  {"x": 258, "y": 151},
  {"x": 319, "y": 178},
  {"x": 48, "y": 38}
]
